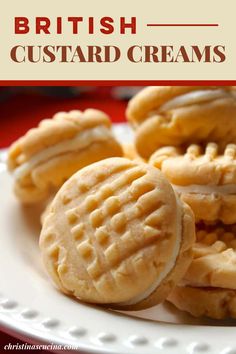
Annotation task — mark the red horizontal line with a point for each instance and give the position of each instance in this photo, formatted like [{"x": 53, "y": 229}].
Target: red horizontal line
[
  {"x": 182, "y": 24},
  {"x": 117, "y": 82}
]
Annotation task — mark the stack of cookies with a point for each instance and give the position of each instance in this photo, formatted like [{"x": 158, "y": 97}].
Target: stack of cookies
[
  {"x": 115, "y": 233},
  {"x": 121, "y": 229},
  {"x": 189, "y": 133}
]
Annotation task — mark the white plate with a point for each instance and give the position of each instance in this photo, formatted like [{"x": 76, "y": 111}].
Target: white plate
[{"x": 32, "y": 309}]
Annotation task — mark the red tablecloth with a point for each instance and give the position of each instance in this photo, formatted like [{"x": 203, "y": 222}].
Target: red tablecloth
[{"x": 20, "y": 112}]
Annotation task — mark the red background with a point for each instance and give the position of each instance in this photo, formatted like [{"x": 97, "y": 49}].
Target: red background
[{"x": 19, "y": 112}]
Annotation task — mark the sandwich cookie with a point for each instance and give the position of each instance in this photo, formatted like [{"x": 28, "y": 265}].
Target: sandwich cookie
[
  {"x": 209, "y": 286},
  {"x": 210, "y": 302},
  {"x": 203, "y": 177},
  {"x": 46, "y": 156},
  {"x": 116, "y": 234},
  {"x": 180, "y": 115}
]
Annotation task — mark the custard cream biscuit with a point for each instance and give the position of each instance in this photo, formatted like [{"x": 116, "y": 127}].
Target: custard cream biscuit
[
  {"x": 203, "y": 177},
  {"x": 215, "y": 303},
  {"x": 209, "y": 285},
  {"x": 180, "y": 115},
  {"x": 48, "y": 155},
  {"x": 116, "y": 234},
  {"x": 214, "y": 257}
]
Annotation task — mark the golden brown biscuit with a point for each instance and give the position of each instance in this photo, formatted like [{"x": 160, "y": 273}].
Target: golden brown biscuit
[
  {"x": 117, "y": 234},
  {"x": 180, "y": 115},
  {"x": 214, "y": 257},
  {"x": 48, "y": 155},
  {"x": 204, "y": 178},
  {"x": 209, "y": 285},
  {"x": 211, "y": 302}
]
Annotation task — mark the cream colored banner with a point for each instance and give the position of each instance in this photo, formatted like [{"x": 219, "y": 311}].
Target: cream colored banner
[{"x": 201, "y": 56}]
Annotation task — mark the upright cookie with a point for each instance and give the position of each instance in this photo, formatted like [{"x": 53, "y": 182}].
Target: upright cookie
[
  {"x": 180, "y": 115},
  {"x": 204, "y": 178},
  {"x": 48, "y": 155},
  {"x": 116, "y": 234}
]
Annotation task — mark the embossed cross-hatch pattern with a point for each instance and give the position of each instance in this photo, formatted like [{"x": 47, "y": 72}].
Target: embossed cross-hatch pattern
[
  {"x": 211, "y": 152},
  {"x": 117, "y": 223}
]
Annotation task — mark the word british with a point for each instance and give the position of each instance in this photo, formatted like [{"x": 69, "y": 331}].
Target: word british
[{"x": 75, "y": 25}]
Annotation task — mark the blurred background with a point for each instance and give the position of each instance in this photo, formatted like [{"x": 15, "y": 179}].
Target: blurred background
[{"x": 21, "y": 108}]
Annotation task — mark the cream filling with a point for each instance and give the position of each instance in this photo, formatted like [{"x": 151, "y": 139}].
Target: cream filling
[
  {"x": 206, "y": 189},
  {"x": 192, "y": 98},
  {"x": 169, "y": 266},
  {"x": 80, "y": 141}
]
